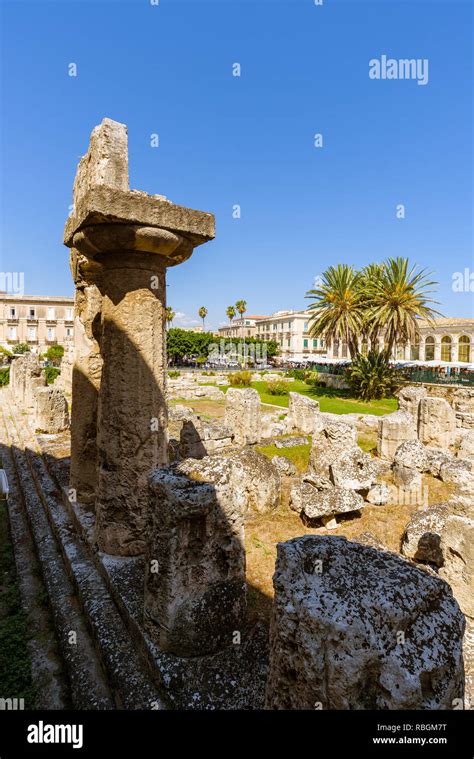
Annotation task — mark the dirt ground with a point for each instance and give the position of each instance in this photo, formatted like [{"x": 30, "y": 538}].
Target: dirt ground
[{"x": 263, "y": 532}]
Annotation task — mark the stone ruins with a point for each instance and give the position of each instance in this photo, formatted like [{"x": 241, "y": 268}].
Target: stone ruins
[{"x": 144, "y": 526}]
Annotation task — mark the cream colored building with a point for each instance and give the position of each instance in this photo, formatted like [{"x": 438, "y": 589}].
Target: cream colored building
[
  {"x": 448, "y": 339},
  {"x": 245, "y": 326},
  {"x": 290, "y": 331},
  {"x": 38, "y": 320}
]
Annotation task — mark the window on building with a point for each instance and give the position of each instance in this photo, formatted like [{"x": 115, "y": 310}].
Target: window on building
[
  {"x": 415, "y": 351},
  {"x": 305, "y": 343},
  {"x": 446, "y": 345},
  {"x": 464, "y": 349},
  {"x": 51, "y": 333},
  {"x": 429, "y": 348},
  {"x": 343, "y": 349},
  {"x": 305, "y": 327},
  {"x": 12, "y": 312},
  {"x": 288, "y": 342},
  {"x": 69, "y": 332},
  {"x": 69, "y": 313},
  {"x": 12, "y": 333},
  {"x": 51, "y": 312},
  {"x": 400, "y": 352},
  {"x": 315, "y": 343},
  {"x": 335, "y": 349},
  {"x": 274, "y": 327},
  {"x": 32, "y": 312}
]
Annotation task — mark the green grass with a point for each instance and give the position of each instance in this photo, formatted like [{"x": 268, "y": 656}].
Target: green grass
[
  {"x": 298, "y": 454},
  {"x": 332, "y": 401},
  {"x": 15, "y": 668}
]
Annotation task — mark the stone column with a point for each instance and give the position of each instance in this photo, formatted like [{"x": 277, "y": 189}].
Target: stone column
[
  {"x": 86, "y": 377},
  {"x": 122, "y": 242},
  {"x": 437, "y": 348}
]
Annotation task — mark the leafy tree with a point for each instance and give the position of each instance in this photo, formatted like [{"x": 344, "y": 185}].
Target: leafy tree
[
  {"x": 182, "y": 344},
  {"x": 54, "y": 354},
  {"x": 51, "y": 372},
  {"x": 371, "y": 377},
  {"x": 21, "y": 348},
  {"x": 4, "y": 376},
  {"x": 203, "y": 313}
]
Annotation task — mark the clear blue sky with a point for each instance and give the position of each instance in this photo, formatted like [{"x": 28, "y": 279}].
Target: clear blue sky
[{"x": 225, "y": 140}]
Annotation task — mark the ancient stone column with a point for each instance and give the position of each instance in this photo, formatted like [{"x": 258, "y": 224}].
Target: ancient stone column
[{"x": 122, "y": 242}]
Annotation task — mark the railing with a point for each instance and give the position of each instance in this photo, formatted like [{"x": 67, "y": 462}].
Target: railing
[{"x": 439, "y": 378}]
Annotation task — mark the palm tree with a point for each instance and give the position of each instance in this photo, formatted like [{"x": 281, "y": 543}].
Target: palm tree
[
  {"x": 203, "y": 313},
  {"x": 230, "y": 314},
  {"x": 338, "y": 312},
  {"x": 396, "y": 300},
  {"x": 169, "y": 315},
  {"x": 241, "y": 306}
]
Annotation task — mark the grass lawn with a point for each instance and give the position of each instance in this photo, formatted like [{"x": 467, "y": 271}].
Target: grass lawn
[
  {"x": 332, "y": 401},
  {"x": 298, "y": 454}
]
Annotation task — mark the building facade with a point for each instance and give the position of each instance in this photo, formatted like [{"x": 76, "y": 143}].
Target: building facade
[
  {"x": 290, "y": 331},
  {"x": 39, "y": 321},
  {"x": 447, "y": 339},
  {"x": 245, "y": 326}
]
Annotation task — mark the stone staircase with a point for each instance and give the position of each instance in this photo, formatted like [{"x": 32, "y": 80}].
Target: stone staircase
[
  {"x": 102, "y": 667},
  {"x": 96, "y": 600}
]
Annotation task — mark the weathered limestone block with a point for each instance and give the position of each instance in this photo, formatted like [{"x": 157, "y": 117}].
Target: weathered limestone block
[
  {"x": 333, "y": 442},
  {"x": 51, "y": 410},
  {"x": 195, "y": 590},
  {"x": 458, "y": 472},
  {"x": 199, "y": 438},
  {"x": 180, "y": 413},
  {"x": 422, "y": 537},
  {"x": 355, "y": 470},
  {"x": 409, "y": 398},
  {"x": 64, "y": 380},
  {"x": 242, "y": 415},
  {"x": 190, "y": 391},
  {"x": 26, "y": 376},
  {"x": 271, "y": 425},
  {"x": 323, "y": 502},
  {"x": 466, "y": 446},
  {"x": 284, "y": 466},
  {"x": 122, "y": 241},
  {"x": 394, "y": 429},
  {"x": 303, "y": 415},
  {"x": 406, "y": 478},
  {"x": 357, "y": 628},
  {"x": 457, "y": 548},
  {"x": 256, "y": 482},
  {"x": 378, "y": 495},
  {"x": 413, "y": 455},
  {"x": 436, "y": 423},
  {"x": 436, "y": 459}
]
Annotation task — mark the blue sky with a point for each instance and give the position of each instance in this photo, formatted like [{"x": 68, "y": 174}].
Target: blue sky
[{"x": 246, "y": 140}]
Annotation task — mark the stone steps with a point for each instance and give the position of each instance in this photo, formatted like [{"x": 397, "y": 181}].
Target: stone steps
[
  {"x": 88, "y": 687},
  {"x": 47, "y": 667},
  {"x": 113, "y": 658}
]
